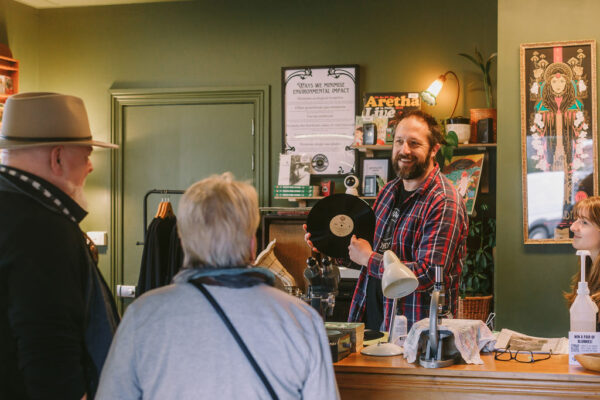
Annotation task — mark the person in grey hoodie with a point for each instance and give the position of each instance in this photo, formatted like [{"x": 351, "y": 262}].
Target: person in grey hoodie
[{"x": 173, "y": 344}]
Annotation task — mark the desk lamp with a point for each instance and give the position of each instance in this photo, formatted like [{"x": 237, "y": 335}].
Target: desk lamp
[
  {"x": 430, "y": 95},
  {"x": 397, "y": 281}
]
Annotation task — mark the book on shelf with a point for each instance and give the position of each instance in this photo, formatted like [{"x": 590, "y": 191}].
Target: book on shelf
[
  {"x": 295, "y": 190},
  {"x": 389, "y": 105},
  {"x": 294, "y": 169}
]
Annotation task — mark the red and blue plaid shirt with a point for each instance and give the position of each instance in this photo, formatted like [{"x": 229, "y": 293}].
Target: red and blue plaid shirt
[{"x": 432, "y": 230}]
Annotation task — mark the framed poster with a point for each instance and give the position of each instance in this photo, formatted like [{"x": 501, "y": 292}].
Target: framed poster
[
  {"x": 319, "y": 109},
  {"x": 464, "y": 172},
  {"x": 558, "y": 135},
  {"x": 378, "y": 169}
]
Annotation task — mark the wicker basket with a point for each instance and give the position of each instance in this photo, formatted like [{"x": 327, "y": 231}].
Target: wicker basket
[{"x": 474, "y": 307}]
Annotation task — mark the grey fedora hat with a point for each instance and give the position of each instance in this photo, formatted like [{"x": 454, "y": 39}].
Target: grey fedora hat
[{"x": 46, "y": 119}]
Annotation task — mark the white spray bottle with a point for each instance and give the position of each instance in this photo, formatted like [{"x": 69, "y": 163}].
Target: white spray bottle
[{"x": 583, "y": 311}]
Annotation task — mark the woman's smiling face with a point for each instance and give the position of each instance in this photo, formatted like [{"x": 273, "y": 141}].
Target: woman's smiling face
[{"x": 586, "y": 235}]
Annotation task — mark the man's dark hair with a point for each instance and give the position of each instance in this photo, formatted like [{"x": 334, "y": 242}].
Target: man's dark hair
[{"x": 435, "y": 134}]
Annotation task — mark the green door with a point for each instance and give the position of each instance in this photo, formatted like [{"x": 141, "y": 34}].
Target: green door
[{"x": 171, "y": 147}]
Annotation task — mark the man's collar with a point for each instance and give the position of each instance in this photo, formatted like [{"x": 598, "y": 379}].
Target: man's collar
[
  {"x": 44, "y": 192},
  {"x": 425, "y": 184}
]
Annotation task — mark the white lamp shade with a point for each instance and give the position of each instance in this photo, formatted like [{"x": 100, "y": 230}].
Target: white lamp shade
[
  {"x": 398, "y": 280},
  {"x": 430, "y": 95}
]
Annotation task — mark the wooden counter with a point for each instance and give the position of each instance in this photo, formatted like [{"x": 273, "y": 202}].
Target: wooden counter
[{"x": 368, "y": 377}]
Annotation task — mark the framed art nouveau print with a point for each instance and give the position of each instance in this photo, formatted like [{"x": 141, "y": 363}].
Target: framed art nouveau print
[{"x": 558, "y": 135}]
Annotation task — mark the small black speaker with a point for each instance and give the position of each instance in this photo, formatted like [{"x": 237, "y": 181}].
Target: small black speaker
[{"x": 485, "y": 130}]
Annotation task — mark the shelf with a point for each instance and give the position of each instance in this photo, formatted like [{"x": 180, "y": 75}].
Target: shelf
[
  {"x": 373, "y": 147},
  {"x": 12, "y": 60},
  {"x": 370, "y": 148},
  {"x": 303, "y": 200},
  {"x": 471, "y": 145}
]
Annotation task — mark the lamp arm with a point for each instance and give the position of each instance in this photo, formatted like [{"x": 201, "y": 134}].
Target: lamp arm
[
  {"x": 392, "y": 321},
  {"x": 457, "y": 92}
]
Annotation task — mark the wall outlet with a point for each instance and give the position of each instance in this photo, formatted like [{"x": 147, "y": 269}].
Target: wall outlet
[
  {"x": 125, "y": 291},
  {"x": 98, "y": 237}
]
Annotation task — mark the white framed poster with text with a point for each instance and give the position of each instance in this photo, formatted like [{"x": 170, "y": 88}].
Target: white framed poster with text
[{"x": 319, "y": 109}]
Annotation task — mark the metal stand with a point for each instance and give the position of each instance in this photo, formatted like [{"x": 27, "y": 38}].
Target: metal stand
[
  {"x": 323, "y": 279},
  {"x": 433, "y": 355},
  {"x": 145, "y": 209}
]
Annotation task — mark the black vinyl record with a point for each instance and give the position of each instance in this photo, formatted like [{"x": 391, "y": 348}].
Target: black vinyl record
[{"x": 334, "y": 219}]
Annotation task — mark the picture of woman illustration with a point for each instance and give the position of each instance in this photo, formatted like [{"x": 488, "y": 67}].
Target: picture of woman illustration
[{"x": 559, "y": 121}]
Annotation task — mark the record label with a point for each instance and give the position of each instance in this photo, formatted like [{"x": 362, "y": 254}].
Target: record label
[
  {"x": 333, "y": 220},
  {"x": 341, "y": 225}
]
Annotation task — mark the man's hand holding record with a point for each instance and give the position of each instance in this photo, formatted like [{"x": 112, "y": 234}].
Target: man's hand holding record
[{"x": 335, "y": 219}]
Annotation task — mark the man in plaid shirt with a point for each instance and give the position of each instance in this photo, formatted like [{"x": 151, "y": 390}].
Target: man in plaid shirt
[{"x": 420, "y": 217}]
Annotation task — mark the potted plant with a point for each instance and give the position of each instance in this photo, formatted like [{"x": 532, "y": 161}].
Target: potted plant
[
  {"x": 447, "y": 149},
  {"x": 485, "y": 66},
  {"x": 475, "y": 284}
]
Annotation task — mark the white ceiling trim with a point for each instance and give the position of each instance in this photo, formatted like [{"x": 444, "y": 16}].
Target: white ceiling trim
[{"x": 82, "y": 3}]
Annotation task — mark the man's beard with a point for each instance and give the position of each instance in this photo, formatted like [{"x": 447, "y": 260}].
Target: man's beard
[
  {"x": 77, "y": 194},
  {"x": 416, "y": 170}
]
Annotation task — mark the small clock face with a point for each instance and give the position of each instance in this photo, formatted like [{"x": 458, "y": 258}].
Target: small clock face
[{"x": 341, "y": 225}]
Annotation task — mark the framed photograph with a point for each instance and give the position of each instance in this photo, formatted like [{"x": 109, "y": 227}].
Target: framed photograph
[
  {"x": 319, "y": 108},
  {"x": 377, "y": 168},
  {"x": 558, "y": 135}
]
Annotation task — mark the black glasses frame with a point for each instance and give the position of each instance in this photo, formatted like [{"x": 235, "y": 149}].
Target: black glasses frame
[{"x": 513, "y": 355}]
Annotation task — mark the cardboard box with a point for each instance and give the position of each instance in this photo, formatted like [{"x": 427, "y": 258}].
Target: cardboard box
[{"x": 355, "y": 329}]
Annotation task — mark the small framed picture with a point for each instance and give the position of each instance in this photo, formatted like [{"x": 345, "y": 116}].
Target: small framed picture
[
  {"x": 370, "y": 185},
  {"x": 377, "y": 169}
]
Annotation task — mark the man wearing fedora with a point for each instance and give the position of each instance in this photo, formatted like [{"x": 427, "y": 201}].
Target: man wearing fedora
[{"x": 57, "y": 315}]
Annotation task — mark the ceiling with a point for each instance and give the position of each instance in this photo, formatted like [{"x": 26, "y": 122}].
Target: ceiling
[{"x": 82, "y": 3}]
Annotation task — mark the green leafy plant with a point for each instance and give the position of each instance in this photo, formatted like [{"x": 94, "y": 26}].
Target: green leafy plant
[
  {"x": 485, "y": 67},
  {"x": 478, "y": 269},
  {"x": 447, "y": 149}
]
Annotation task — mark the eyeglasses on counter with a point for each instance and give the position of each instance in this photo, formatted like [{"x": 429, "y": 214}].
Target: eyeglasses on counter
[{"x": 522, "y": 356}]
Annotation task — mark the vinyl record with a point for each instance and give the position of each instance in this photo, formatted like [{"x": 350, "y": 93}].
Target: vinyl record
[
  {"x": 333, "y": 220},
  {"x": 320, "y": 162}
]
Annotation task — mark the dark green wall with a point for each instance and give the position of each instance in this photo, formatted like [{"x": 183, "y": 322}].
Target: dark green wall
[
  {"x": 530, "y": 279},
  {"x": 400, "y": 45}
]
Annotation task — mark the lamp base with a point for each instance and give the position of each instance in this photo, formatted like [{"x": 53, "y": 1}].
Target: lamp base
[{"x": 382, "y": 350}]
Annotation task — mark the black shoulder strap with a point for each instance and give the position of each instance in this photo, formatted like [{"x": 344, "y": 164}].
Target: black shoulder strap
[{"x": 236, "y": 336}]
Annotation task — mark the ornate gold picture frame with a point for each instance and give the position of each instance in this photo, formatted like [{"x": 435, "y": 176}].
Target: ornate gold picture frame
[{"x": 558, "y": 135}]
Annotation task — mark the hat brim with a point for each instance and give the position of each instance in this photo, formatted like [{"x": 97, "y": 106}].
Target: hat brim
[{"x": 18, "y": 144}]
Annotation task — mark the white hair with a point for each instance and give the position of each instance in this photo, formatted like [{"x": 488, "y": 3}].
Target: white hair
[{"x": 217, "y": 220}]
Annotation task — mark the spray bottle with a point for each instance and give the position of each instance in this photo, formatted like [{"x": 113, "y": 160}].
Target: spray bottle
[{"x": 583, "y": 310}]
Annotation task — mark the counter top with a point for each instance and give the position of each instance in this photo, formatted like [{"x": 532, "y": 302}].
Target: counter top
[{"x": 368, "y": 377}]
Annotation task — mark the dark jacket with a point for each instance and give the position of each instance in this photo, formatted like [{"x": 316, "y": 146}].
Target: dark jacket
[
  {"x": 57, "y": 316},
  {"x": 162, "y": 256}
]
